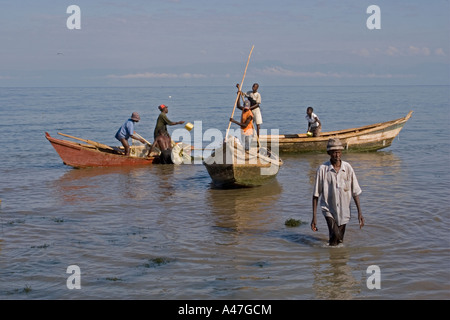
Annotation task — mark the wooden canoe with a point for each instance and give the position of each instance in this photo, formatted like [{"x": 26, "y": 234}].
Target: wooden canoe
[
  {"x": 368, "y": 138},
  {"x": 80, "y": 155},
  {"x": 232, "y": 166}
]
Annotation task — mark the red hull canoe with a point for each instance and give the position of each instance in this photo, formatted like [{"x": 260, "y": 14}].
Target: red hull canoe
[{"x": 80, "y": 155}]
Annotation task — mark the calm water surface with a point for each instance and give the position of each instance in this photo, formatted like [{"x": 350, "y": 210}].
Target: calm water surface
[{"x": 163, "y": 232}]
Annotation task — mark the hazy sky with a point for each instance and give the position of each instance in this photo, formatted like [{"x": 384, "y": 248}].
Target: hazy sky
[{"x": 196, "y": 42}]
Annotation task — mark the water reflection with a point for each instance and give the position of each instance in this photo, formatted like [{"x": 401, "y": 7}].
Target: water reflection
[
  {"x": 235, "y": 210},
  {"x": 163, "y": 179},
  {"x": 333, "y": 278},
  {"x": 90, "y": 184}
]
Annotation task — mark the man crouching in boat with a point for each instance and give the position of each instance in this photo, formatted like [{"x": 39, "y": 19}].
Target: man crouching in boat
[
  {"x": 126, "y": 131},
  {"x": 336, "y": 184},
  {"x": 246, "y": 124},
  {"x": 163, "y": 143}
]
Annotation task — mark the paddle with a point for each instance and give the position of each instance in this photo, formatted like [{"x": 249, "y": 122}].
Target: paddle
[
  {"x": 96, "y": 144},
  {"x": 238, "y": 95}
]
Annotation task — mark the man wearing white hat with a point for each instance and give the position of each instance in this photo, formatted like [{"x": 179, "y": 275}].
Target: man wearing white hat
[{"x": 336, "y": 184}]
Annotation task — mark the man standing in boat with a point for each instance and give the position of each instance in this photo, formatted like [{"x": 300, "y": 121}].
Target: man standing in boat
[
  {"x": 336, "y": 184},
  {"x": 255, "y": 100},
  {"x": 246, "y": 123},
  {"x": 163, "y": 121},
  {"x": 314, "y": 124},
  {"x": 126, "y": 132}
]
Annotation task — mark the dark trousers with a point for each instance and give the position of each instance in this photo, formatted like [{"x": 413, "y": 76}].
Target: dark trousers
[
  {"x": 166, "y": 157},
  {"x": 336, "y": 232}
]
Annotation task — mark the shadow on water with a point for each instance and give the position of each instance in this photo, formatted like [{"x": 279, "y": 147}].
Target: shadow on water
[{"x": 333, "y": 277}]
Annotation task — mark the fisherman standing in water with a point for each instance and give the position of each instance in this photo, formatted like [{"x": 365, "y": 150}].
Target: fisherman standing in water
[
  {"x": 164, "y": 144},
  {"x": 336, "y": 184}
]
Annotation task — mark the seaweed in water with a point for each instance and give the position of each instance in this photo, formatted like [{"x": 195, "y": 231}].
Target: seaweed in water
[
  {"x": 113, "y": 279},
  {"x": 292, "y": 223},
  {"x": 156, "y": 262}
]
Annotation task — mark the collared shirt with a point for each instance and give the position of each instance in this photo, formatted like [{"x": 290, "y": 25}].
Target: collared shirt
[
  {"x": 336, "y": 190},
  {"x": 255, "y": 96},
  {"x": 312, "y": 120},
  {"x": 126, "y": 130}
]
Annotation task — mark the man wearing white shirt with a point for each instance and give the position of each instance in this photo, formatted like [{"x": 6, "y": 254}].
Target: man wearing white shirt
[
  {"x": 336, "y": 184},
  {"x": 314, "y": 124},
  {"x": 255, "y": 100}
]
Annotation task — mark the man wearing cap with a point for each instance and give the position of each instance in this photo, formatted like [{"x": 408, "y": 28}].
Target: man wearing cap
[
  {"x": 246, "y": 123},
  {"x": 336, "y": 184},
  {"x": 126, "y": 131},
  {"x": 163, "y": 121}
]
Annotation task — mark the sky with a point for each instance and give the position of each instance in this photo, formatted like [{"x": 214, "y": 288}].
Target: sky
[{"x": 207, "y": 42}]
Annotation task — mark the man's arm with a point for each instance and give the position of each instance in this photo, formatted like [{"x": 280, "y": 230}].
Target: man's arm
[
  {"x": 315, "y": 200},
  {"x": 256, "y": 101},
  {"x": 317, "y": 192},
  {"x": 358, "y": 206},
  {"x": 253, "y": 107},
  {"x": 239, "y": 106},
  {"x": 170, "y": 123},
  {"x": 175, "y": 123},
  {"x": 320, "y": 123},
  {"x": 138, "y": 139},
  {"x": 243, "y": 125}
]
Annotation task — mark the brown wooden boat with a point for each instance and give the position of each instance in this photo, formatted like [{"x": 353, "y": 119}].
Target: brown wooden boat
[
  {"x": 368, "y": 138},
  {"x": 94, "y": 154},
  {"x": 232, "y": 166}
]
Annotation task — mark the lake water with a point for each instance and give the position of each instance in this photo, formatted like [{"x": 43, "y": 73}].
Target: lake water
[{"x": 163, "y": 232}]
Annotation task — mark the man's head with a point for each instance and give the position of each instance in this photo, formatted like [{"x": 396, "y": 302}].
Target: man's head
[
  {"x": 246, "y": 105},
  {"x": 309, "y": 111},
  {"x": 334, "y": 149},
  {"x": 163, "y": 108},
  {"x": 135, "y": 117},
  {"x": 255, "y": 87}
]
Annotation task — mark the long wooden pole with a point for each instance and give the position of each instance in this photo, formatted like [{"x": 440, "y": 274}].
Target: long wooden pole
[
  {"x": 139, "y": 136},
  {"x": 238, "y": 95},
  {"x": 94, "y": 143}
]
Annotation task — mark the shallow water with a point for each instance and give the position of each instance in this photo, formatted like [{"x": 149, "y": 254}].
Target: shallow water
[{"x": 164, "y": 232}]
